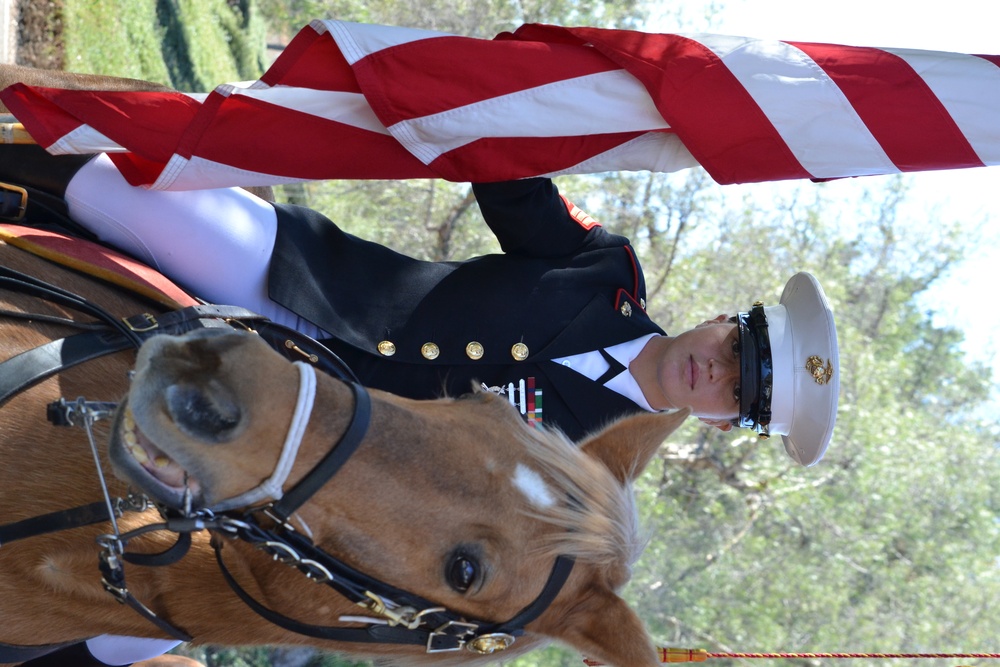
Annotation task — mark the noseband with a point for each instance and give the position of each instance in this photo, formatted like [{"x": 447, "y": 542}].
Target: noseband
[{"x": 272, "y": 487}]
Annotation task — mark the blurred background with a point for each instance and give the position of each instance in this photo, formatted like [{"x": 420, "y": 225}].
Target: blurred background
[{"x": 891, "y": 543}]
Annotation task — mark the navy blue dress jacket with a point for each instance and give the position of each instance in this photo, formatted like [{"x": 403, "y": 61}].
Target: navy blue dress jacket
[{"x": 562, "y": 285}]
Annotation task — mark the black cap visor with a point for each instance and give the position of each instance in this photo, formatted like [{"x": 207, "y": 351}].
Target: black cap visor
[{"x": 755, "y": 370}]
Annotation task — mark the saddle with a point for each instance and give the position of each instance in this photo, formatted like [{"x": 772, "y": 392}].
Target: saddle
[
  {"x": 184, "y": 312},
  {"x": 99, "y": 262}
]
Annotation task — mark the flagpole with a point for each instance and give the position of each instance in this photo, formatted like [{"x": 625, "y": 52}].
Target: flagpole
[
  {"x": 667, "y": 655},
  {"x": 12, "y": 132}
]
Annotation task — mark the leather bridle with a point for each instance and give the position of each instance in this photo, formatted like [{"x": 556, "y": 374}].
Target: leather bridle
[{"x": 399, "y": 617}]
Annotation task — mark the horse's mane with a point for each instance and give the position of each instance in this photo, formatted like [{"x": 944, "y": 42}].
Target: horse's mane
[{"x": 597, "y": 521}]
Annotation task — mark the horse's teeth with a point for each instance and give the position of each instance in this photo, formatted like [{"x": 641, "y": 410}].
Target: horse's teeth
[
  {"x": 130, "y": 439},
  {"x": 161, "y": 461},
  {"x": 129, "y": 421},
  {"x": 139, "y": 453}
]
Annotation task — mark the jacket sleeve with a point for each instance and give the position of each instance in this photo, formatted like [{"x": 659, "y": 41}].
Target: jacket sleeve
[{"x": 530, "y": 217}]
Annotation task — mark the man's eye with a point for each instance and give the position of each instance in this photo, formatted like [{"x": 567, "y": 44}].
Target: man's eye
[
  {"x": 736, "y": 348},
  {"x": 736, "y": 394}
]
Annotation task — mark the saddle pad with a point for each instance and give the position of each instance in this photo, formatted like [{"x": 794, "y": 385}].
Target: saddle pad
[{"x": 98, "y": 261}]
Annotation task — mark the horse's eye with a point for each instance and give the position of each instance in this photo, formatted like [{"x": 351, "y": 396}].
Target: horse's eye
[{"x": 461, "y": 571}]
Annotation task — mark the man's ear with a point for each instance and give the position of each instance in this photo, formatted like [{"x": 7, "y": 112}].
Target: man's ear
[
  {"x": 721, "y": 424},
  {"x": 718, "y": 319}
]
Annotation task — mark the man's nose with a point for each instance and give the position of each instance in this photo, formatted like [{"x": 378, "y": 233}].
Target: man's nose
[{"x": 720, "y": 370}]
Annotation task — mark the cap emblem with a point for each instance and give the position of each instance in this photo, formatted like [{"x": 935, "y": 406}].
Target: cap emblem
[{"x": 820, "y": 374}]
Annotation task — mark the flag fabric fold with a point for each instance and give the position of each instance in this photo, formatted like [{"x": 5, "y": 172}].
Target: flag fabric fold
[{"x": 348, "y": 100}]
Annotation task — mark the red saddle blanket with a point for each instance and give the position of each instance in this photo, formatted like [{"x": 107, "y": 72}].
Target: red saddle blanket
[{"x": 98, "y": 261}]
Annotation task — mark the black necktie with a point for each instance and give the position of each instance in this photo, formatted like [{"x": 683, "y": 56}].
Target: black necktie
[{"x": 614, "y": 367}]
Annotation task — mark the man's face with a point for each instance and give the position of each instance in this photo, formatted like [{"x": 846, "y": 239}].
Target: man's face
[{"x": 700, "y": 369}]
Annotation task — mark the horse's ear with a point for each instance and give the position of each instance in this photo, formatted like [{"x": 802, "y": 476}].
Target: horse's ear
[
  {"x": 604, "y": 629},
  {"x": 627, "y": 446}
]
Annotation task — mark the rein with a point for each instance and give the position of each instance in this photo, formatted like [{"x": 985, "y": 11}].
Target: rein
[{"x": 400, "y": 617}]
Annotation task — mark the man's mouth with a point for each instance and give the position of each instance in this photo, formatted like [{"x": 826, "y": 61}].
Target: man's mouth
[{"x": 692, "y": 372}]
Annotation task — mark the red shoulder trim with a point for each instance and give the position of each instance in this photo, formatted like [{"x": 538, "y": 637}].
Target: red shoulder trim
[{"x": 578, "y": 214}]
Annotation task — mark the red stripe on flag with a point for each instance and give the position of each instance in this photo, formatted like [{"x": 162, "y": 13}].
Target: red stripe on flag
[
  {"x": 704, "y": 103},
  {"x": 438, "y": 74},
  {"x": 899, "y": 109},
  {"x": 148, "y": 123},
  {"x": 508, "y": 158},
  {"x": 136, "y": 169},
  {"x": 993, "y": 59},
  {"x": 328, "y": 149},
  {"x": 47, "y": 122},
  {"x": 312, "y": 60}
]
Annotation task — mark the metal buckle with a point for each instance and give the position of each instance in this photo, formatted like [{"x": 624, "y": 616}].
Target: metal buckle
[
  {"x": 393, "y": 615},
  {"x": 442, "y": 631},
  {"x": 150, "y": 322},
  {"x": 490, "y": 643},
  {"x": 23, "y": 207}
]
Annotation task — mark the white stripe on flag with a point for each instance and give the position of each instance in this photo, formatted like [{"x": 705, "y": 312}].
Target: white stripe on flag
[
  {"x": 653, "y": 151},
  {"x": 806, "y": 107},
  {"x": 84, "y": 139},
  {"x": 357, "y": 40},
  {"x": 969, "y": 88},
  {"x": 347, "y": 108},
  {"x": 198, "y": 173},
  {"x": 606, "y": 102}
]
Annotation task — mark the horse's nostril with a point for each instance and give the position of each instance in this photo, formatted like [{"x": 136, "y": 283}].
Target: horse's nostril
[{"x": 203, "y": 412}]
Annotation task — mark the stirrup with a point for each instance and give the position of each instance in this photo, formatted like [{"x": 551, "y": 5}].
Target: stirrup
[{"x": 13, "y": 202}]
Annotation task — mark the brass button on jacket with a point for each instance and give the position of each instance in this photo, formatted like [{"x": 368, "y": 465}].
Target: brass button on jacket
[
  {"x": 519, "y": 351},
  {"x": 626, "y": 309},
  {"x": 430, "y": 351},
  {"x": 386, "y": 348},
  {"x": 474, "y": 350}
]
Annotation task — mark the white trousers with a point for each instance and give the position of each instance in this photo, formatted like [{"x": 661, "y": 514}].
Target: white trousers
[
  {"x": 216, "y": 244},
  {"x": 118, "y": 650}
]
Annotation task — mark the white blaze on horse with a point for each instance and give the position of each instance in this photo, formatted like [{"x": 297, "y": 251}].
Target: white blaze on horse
[{"x": 452, "y": 531}]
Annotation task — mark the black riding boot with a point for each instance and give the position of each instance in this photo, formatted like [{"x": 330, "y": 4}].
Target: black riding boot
[
  {"x": 75, "y": 655},
  {"x": 33, "y": 185}
]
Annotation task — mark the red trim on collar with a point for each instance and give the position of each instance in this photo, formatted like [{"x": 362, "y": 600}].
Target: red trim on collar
[{"x": 635, "y": 274}]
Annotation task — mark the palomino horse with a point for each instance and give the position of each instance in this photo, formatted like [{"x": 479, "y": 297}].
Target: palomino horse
[{"x": 449, "y": 519}]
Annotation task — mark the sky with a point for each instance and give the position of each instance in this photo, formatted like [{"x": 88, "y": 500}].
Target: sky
[{"x": 966, "y": 297}]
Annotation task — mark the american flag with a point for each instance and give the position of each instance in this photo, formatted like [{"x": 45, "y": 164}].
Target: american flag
[{"x": 347, "y": 100}]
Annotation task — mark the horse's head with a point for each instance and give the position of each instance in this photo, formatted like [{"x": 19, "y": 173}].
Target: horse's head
[{"x": 456, "y": 501}]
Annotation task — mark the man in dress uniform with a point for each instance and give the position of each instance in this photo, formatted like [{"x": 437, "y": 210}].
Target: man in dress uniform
[{"x": 556, "y": 322}]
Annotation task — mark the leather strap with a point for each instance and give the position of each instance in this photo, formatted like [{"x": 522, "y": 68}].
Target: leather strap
[
  {"x": 316, "y": 478},
  {"x": 32, "y": 366},
  {"x": 84, "y": 515}
]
